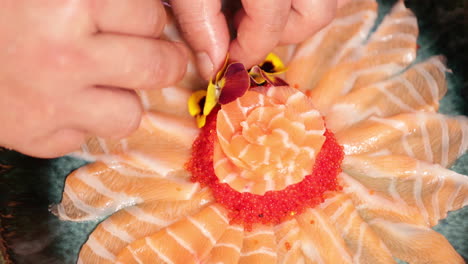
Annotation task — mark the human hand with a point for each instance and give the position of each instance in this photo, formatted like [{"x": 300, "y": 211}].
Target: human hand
[
  {"x": 69, "y": 69},
  {"x": 261, "y": 26}
]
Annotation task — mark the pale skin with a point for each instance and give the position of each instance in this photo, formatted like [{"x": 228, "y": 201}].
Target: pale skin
[{"x": 70, "y": 68}]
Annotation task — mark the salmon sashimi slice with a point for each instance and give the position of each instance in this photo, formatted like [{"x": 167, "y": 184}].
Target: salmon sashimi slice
[
  {"x": 135, "y": 222},
  {"x": 415, "y": 244},
  {"x": 405, "y": 233},
  {"x": 228, "y": 248},
  {"x": 171, "y": 100},
  {"x": 189, "y": 240},
  {"x": 417, "y": 89},
  {"x": 162, "y": 143},
  {"x": 364, "y": 244},
  {"x": 431, "y": 137},
  {"x": 259, "y": 246},
  {"x": 99, "y": 189},
  {"x": 321, "y": 241},
  {"x": 387, "y": 52},
  {"x": 288, "y": 243},
  {"x": 429, "y": 188},
  {"x": 267, "y": 140},
  {"x": 313, "y": 57}
]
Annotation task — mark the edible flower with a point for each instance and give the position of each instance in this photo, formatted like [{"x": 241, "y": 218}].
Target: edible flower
[{"x": 231, "y": 82}]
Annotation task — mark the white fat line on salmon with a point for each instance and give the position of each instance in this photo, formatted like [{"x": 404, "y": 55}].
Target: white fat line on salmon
[
  {"x": 445, "y": 138},
  {"x": 355, "y": 43},
  {"x": 310, "y": 152},
  {"x": 309, "y": 46},
  {"x": 229, "y": 245},
  {"x": 463, "y": 123},
  {"x": 103, "y": 145},
  {"x": 156, "y": 250},
  {"x": 365, "y": 200},
  {"x": 237, "y": 228},
  {"x": 298, "y": 125},
  {"x": 117, "y": 231},
  {"x": 330, "y": 201},
  {"x": 135, "y": 255},
  {"x": 408, "y": 21},
  {"x": 296, "y": 98},
  {"x": 381, "y": 152},
  {"x": 435, "y": 199},
  {"x": 350, "y": 223},
  {"x": 141, "y": 215},
  {"x": 183, "y": 132},
  {"x": 120, "y": 199},
  {"x": 128, "y": 170},
  {"x": 92, "y": 212},
  {"x": 417, "y": 195},
  {"x": 388, "y": 68},
  {"x": 261, "y": 250},
  {"x": 291, "y": 233},
  {"x": 394, "y": 123},
  {"x": 450, "y": 202},
  {"x": 269, "y": 180},
  {"x": 422, "y": 121},
  {"x": 410, "y": 89},
  {"x": 429, "y": 79},
  {"x": 242, "y": 109},
  {"x": 309, "y": 249},
  {"x": 99, "y": 249},
  {"x": 362, "y": 229},
  {"x": 340, "y": 210},
  {"x": 315, "y": 132},
  {"x": 227, "y": 121},
  {"x": 324, "y": 226},
  {"x": 392, "y": 190},
  {"x": 230, "y": 177},
  {"x": 144, "y": 99},
  {"x": 394, "y": 99},
  {"x": 259, "y": 232},
  {"x": 181, "y": 241},
  {"x": 312, "y": 113},
  {"x": 436, "y": 61},
  {"x": 219, "y": 213},
  {"x": 202, "y": 229},
  {"x": 408, "y": 37},
  {"x": 221, "y": 162},
  {"x": 160, "y": 166},
  {"x": 85, "y": 149}
]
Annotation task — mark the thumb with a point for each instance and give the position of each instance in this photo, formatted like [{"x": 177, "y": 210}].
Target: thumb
[{"x": 204, "y": 27}]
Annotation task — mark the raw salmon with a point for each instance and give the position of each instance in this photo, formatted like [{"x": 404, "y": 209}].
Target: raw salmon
[
  {"x": 320, "y": 53},
  {"x": 267, "y": 140},
  {"x": 389, "y": 50},
  {"x": 419, "y": 88},
  {"x": 360, "y": 86},
  {"x": 135, "y": 222}
]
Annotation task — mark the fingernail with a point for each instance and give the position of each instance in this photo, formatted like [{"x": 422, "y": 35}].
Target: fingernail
[{"x": 205, "y": 64}]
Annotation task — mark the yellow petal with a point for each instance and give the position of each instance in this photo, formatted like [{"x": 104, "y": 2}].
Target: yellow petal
[
  {"x": 194, "y": 102},
  {"x": 201, "y": 121},
  {"x": 211, "y": 98}
]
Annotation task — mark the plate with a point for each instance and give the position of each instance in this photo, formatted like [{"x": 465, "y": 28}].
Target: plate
[{"x": 28, "y": 186}]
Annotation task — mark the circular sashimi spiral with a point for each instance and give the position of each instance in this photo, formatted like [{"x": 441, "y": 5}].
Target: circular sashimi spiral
[{"x": 268, "y": 139}]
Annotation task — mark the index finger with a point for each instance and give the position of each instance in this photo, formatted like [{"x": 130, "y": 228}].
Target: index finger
[{"x": 260, "y": 30}]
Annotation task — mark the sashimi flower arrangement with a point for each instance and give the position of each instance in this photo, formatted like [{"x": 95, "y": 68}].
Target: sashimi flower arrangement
[{"x": 331, "y": 151}]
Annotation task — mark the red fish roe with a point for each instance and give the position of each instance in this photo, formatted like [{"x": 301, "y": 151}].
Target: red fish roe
[{"x": 274, "y": 206}]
